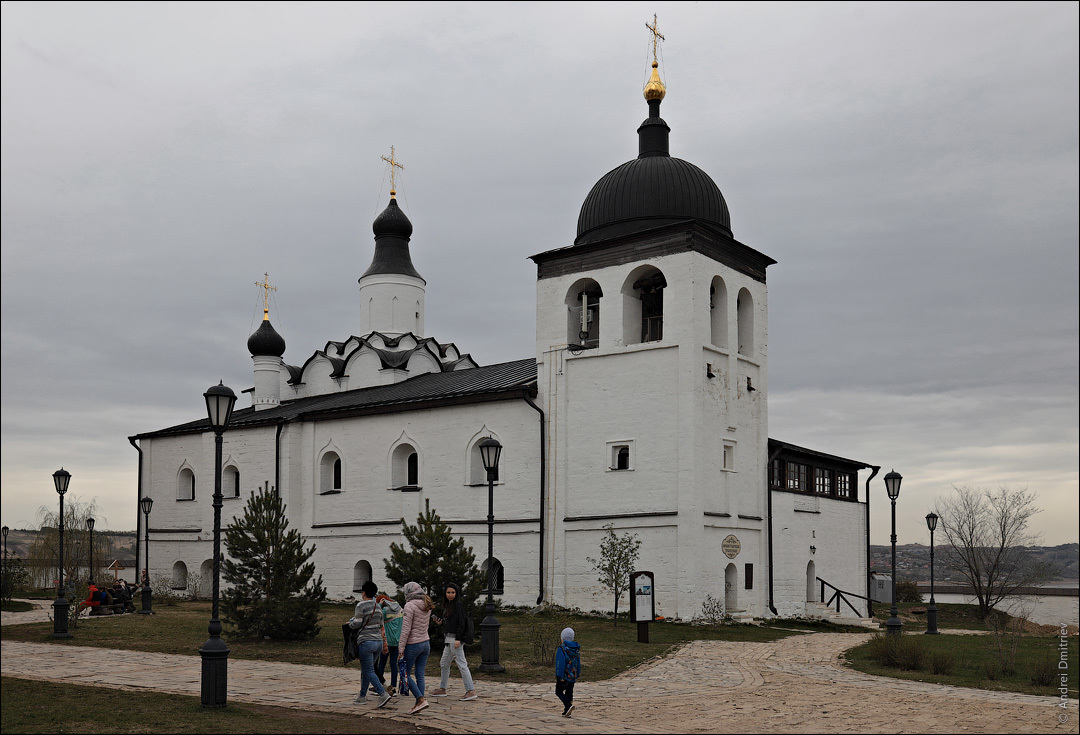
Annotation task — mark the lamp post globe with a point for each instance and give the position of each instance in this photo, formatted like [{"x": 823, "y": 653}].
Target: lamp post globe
[
  {"x": 931, "y": 611},
  {"x": 61, "y": 606},
  {"x": 490, "y": 452},
  {"x": 893, "y": 626},
  {"x": 215, "y": 653},
  {"x": 147, "y": 504}
]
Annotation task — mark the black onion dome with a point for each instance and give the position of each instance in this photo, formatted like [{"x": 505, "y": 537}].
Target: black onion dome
[
  {"x": 266, "y": 341},
  {"x": 392, "y": 222},
  {"x": 392, "y": 232},
  {"x": 652, "y": 190}
]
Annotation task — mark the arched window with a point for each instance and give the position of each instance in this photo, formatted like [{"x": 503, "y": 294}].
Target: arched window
[
  {"x": 495, "y": 578},
  {"x": 361, "y": 573},
  {"x": 745, "y": 313},
  {"x": 718, "y": 312},
  {"x": 643, "y": 306},
  {"x": 405, "y": 468},
  {"x": 731, "y": 588},
  {"x": 230, "y": 482},
  {"x": 185, "y": 485},
  {"x": 179, "y": 576},
  {"x": 583, "y": 314},
  {"x": 330, "y": 473}
]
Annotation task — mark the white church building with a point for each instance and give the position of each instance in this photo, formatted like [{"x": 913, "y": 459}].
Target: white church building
[{"x": 644, "y": 408}]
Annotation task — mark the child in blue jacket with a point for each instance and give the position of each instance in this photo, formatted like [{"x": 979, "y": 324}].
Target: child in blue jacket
[{"x": 567, "y": 670}]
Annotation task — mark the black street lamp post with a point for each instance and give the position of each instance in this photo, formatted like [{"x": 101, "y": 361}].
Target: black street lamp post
[
  {"x": 490, "y": 450},
  {"x": 147, "y": 504},
  {"x": 931, "y": 612},
  {"x": 90, "y": 525},
  {"x": 61, "y": 479},
  {"x": 893, "y": 626},
  {"x": 6, "y": 581},
  {"x": 215, "y": 653}
]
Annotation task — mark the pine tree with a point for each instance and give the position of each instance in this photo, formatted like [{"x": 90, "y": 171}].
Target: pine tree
[
  {"x": 434, "y": 558},
  {"x": 269, "y": 569}
]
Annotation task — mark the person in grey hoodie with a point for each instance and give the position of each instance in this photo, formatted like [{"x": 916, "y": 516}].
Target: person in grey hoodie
[{"x": 367, "y": 620}]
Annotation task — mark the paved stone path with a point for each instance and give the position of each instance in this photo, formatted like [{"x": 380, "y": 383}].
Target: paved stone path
[{"x": 792, "y": 685}]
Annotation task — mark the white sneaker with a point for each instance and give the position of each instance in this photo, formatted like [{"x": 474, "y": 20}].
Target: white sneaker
[
  {"x": 384, "y": 699},
  {"x": 359, "y": 699}
]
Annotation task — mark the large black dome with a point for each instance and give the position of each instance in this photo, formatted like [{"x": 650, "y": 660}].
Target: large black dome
[
  {"x": 652, "y": 190},
  {"x": 649, "y": 192}
]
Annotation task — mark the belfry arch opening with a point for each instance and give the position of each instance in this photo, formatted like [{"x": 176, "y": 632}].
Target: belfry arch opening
[
  {"x": 643, "y": 306},
  {"x": 583, "y": 314}
]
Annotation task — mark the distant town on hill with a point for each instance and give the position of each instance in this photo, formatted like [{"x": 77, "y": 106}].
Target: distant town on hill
[{"x": 913, "y": 562}]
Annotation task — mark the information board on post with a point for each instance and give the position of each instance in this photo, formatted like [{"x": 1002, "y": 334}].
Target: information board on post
[{"x": 642, "y": 602}]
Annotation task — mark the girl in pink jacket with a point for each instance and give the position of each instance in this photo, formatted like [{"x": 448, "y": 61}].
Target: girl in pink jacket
[{"x": 414, "y": 640}]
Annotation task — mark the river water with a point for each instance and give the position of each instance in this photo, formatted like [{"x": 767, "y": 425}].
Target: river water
[{"x": 1041, "y": 609}]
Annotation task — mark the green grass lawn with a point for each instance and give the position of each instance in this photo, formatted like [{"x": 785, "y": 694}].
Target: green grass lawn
[
  {"x": 45, "y": 707},
  {"x": 606, "y": 650},
  {"x": 973, "y": 656},
  {"x": 15, "y": 606}
]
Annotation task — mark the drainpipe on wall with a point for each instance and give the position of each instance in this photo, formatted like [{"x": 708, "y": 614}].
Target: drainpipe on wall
[
  {"x": 869, "y": 597},
  {"x": 543, "y": 487},
  {"x": 138, "y": 509},
  {"x": 277, "y": 457},
  {"x": 768, "y": 491}
]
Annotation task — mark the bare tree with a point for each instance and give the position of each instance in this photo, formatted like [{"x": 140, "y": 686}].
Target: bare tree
[
  {"x": 618, "y": 555},
  {"x": 44, "y": 553},
  {"x": 987, "y": 531}
]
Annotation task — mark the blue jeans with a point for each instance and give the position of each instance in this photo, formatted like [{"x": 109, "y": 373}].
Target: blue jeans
[
  {"x": 416, "y": 655},
  {"x": 380, "y": 667},
  {"x": 368, "y": 651}
]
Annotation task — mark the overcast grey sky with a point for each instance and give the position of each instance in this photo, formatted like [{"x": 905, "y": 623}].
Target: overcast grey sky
[{"x": 912, "y": 167}]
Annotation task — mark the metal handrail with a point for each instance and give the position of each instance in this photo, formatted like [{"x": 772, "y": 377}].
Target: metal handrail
[{"x": 839, "y": 595}]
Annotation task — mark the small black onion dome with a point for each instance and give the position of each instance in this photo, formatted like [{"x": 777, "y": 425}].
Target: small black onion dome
[
  {"x": 392, "y": 232},
  {"x": 392, "y": 222},
  {"x": 652, "y": 190},
  {"x": 266, "y": 342}
]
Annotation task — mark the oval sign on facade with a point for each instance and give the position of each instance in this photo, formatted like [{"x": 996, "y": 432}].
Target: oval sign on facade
[{"x": 731, "y": 546}]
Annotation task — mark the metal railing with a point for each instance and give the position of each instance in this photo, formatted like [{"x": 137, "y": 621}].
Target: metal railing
[{"x": 840, "y": 595}]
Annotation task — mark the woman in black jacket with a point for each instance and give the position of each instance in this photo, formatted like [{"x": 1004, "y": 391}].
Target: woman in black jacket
[{"x": 454, "y": 621}]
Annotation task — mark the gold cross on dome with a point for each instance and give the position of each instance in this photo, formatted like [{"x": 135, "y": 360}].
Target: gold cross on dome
[
  {"x": 267, "y": 288},
  {"x": 393, "y": 164},
  {"x": 657, "y": 36}
]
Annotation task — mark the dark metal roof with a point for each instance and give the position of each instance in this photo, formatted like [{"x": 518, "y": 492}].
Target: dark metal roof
[
  {"x": 474, "y": 385},
  {"x": 647, "y": 192},
  {"x": 651, "y": 190},
  {"x": 790, "y": 449}
]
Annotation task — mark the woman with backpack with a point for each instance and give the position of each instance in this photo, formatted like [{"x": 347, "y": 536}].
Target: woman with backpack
[
  {"x": 455, "y": 625},
  {"x": 367, "y": 620},
  {"x": 392, "y": 626},
  {"x": 567, "y": 670},
  {"x": 414, "y": 639}
]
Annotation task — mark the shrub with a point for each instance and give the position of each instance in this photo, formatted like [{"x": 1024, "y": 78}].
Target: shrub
[
  {"x": 543, "y": 633},
  {"x": 910, "y": 654},
  {"x": 712, "y": 610},
  {"x": 897, "y": 651},
  {"x": 991, "y": 669},
  {"x": 941, "y": 662},
  {"x": 1044, "y": 671},
  {"x": 907, "y": 590}
]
